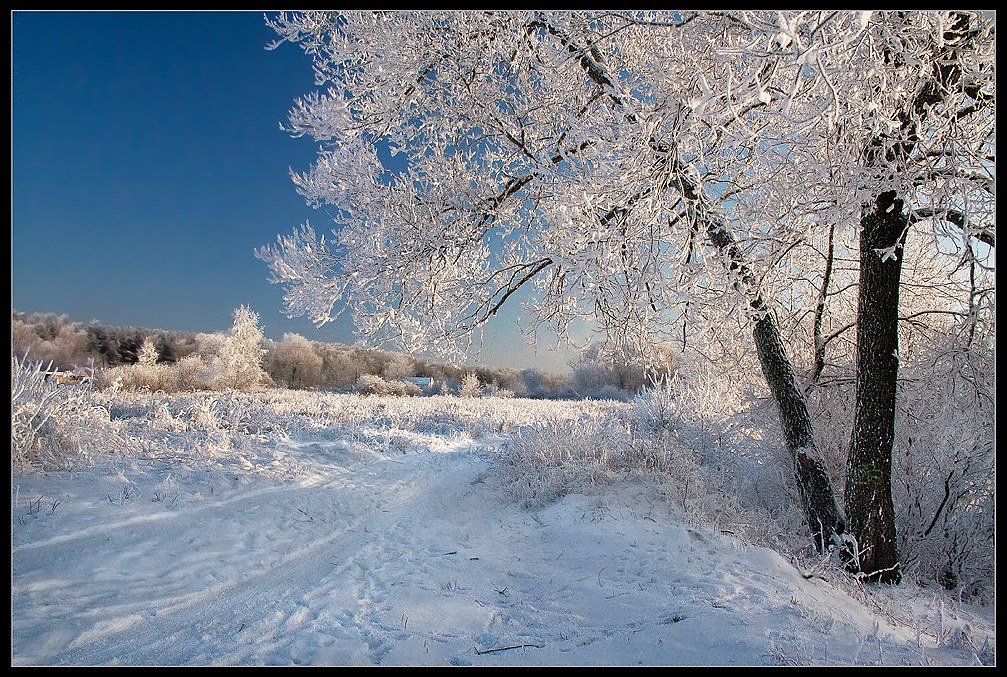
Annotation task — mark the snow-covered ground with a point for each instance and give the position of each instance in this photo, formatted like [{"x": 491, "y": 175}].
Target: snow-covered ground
[{"x": 369, "y": 537}]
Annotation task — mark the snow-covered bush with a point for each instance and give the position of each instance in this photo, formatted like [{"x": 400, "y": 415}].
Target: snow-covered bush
[
  {"x": 147, "y": 355},
  {"x": 186, "y": 372},
  {"x": 657, "y": 409},
  {"x": 369, "y": 384},
  {"x": 617, "y": 372},
  {"x": 493, "y": 389},
  {"x": 546, "y": 462},
  {"x": 697, "y": 405},
  {"x": 152, "y": 377},
  {"x": 735, "y": 437},
  {"x": 182, "y": 376},
  {"x": 55, "y": 425}
]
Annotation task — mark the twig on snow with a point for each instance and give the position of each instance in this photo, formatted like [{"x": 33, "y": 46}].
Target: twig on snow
[{"x": 507, "y": 648}]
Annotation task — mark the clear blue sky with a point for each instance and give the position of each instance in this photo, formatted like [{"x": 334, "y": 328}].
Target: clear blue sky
[{"x": 147, "y": 165}]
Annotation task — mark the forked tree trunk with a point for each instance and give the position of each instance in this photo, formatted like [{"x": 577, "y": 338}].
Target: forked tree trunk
[{"x": 869, "y": 507}]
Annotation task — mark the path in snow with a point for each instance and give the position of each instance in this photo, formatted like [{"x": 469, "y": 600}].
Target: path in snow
[{"x": 414, "y": 558}]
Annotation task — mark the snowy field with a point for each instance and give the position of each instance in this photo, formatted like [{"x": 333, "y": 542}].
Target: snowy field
[{"x": 307, "y": 529}]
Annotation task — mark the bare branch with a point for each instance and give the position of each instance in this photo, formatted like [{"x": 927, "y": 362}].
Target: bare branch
[{"x": 957, "y": 218}]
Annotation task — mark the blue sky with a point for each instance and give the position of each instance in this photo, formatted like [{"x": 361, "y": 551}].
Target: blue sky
[{"x": 147, "y": 165}]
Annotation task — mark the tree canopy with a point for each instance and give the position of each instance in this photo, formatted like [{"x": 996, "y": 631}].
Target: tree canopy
[{"x": 586, "y": 154}]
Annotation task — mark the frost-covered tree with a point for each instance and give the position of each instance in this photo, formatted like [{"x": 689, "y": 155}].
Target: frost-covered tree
[
  {"x": 591, "y": 379},
  {"x": 642, "y": 170},
  {"x": 949, "y": 102},
  {"x": 147, "y": 356},
  {"x": 602, "y": 367},
  {"x": 470, "y": 386},
  {"x": 398, "y": 367},
  {"x": 237, "y": 361},
  {"x": 340, "y": 368},
  {"x": 49, "y": 338},
  {"x": 372, "y": 384},
  {"x": 294, "y": 362}
]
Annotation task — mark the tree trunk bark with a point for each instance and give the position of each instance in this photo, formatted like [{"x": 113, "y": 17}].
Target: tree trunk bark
[
  {"x": 869, "y": 507},
  {"x": 821, "y": 510},
  {"x": 820, "y": 507}
]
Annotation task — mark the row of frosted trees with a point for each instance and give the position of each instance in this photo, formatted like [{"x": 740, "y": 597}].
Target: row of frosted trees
[{"x": 177, "y": 361}]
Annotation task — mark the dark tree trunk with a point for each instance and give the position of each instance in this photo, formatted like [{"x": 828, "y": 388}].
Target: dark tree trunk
[
  {"x": 820, "y": 507},
  {"x": 821, "y": 510},
  {"x": 869, "y": 508}
]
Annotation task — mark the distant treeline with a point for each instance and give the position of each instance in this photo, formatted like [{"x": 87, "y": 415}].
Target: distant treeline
[
  {"x": 66, "y": 343},
  {"x": 293, "y": 361}
]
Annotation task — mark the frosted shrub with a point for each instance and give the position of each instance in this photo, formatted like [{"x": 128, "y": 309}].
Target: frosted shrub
[
  {"x": 410, "y": 389},
  {"x": 493, "y": 389},
  {"x": 944, "y": 471},
  {"x": 150, "y": 377},
  {"x": 547, "y": 462},
  {"x": 55, "y": 425},
  {"x": 233, "y": 412},
  {"x": 201, "y": 413},
  {"x": 148, "y": 353},
  {"x": 186, "y": 372},
  {"x": 369, "y": 384},
  {"x": 182, "y": 376},
  {"x": 658, "y": 408},
  {"x": 697, "y": 406},
  {"x": 696, "y": 417}
]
